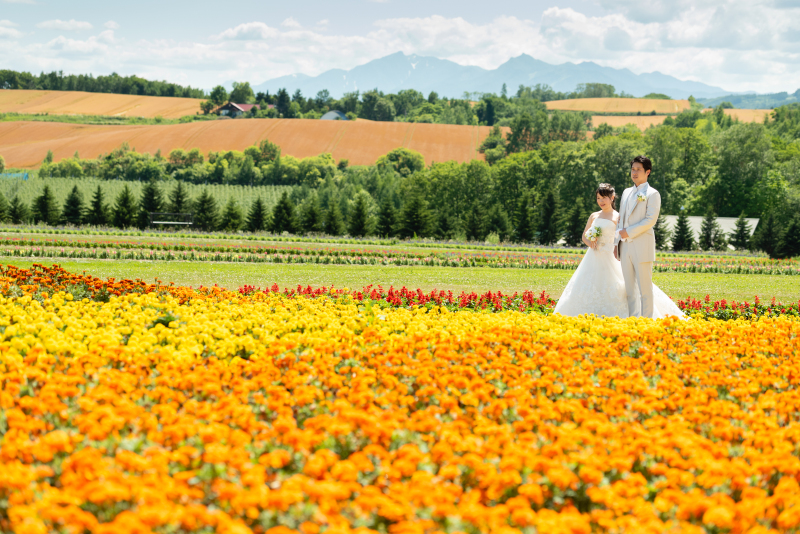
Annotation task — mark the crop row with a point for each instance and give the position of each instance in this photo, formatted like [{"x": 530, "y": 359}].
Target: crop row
[{"x": 215, "y": 253}]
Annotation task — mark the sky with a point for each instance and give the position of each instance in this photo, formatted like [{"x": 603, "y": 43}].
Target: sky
[{"x": 739, "y": 45}]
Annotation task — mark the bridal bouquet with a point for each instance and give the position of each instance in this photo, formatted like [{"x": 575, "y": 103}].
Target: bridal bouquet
[{"x": 593, "y": 233}]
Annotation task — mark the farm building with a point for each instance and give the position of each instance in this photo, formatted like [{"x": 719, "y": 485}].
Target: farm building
[
  {"x": 236, "y": 110},
  {"x": 334, "y": 116}
]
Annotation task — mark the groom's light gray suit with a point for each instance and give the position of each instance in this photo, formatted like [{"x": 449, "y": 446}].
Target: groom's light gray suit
[{"x": 638, "y": 252}]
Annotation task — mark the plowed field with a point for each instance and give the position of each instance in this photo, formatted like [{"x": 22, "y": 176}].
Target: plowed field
[
  {"x": 748, "y": 115},
  {"x": 25, "y": 144},
  {"x": 643, "y": 122},
  {"x": 620, "y": 105},
  {"x": 80, "y": 103}
]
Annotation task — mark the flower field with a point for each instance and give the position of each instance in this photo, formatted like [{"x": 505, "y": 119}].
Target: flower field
[
  {"x": 38, "y": 247},
  {"x": 134, "y": 407}
]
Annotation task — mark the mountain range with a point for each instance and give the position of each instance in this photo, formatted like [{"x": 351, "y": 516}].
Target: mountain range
[{"x": 399, "y": 71}]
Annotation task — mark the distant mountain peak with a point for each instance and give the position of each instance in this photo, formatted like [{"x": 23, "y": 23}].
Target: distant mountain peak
[{"x": 399, "y": 71}]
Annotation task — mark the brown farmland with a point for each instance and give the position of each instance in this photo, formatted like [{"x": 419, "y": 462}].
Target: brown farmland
[
  {"x": 643, "y": 122},
  {"x": 619, "y": 105},
  {"x": 24, "y": 144},
  {"x": 80, "y": 103}
]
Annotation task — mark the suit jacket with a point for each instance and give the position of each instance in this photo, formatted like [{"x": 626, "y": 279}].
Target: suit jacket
[{"x": 641, "y": 217}]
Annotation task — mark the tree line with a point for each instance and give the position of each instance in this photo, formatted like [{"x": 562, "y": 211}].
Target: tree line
[
  {"x": 410, "y": 105},
  {"x": 113, "y": 83}
]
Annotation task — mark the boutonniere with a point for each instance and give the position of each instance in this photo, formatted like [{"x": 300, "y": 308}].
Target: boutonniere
[{"x": 641, "y": 197}]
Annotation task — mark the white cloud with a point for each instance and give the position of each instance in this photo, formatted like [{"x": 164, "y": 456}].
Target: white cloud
[
  {"x": 726, "y": 43},
  {"x": 64, "y": 25},
  {"x": 8, "y": 30},
  {"x": 111, "y": 25},
  {"x": 323, "y": 23},
  {"x": 290, "y": 23},
  {"x": 248, "y": 31}
]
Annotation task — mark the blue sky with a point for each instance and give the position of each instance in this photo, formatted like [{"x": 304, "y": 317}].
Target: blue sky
[{"x": 740, "y": 45}]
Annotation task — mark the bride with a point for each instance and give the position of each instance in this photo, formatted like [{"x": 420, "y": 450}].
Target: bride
[{"x": 597, "y": 287}]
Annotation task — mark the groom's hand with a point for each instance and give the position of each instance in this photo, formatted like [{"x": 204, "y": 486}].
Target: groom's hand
[{"x": 623, "y": 234}]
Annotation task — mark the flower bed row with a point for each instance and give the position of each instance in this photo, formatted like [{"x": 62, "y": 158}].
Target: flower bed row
[
  {"x": 42, "y": 280},
  {"x": 287, "y": 413},
  {"x": 665, "y": 261},
  {"x": 342, "y": 258}
]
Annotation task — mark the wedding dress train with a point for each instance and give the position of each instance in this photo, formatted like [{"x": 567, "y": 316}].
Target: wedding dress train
[{"x": 598, "y": 288}]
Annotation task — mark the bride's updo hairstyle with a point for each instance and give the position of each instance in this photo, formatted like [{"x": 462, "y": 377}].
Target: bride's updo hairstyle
[{"x": 606, "y": 190}]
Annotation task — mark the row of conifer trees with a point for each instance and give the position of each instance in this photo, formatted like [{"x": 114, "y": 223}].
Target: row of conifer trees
[{"x": 413, "y": 219}]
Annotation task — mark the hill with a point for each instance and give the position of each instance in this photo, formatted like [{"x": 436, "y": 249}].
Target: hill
[
  {"x": 81, "y": 103},
  {"x": 24, "y": 144},
  {"x": 620, "y": 105},
  {"x": 766, "y": 101},
  {"x": 398, "y": 71}
]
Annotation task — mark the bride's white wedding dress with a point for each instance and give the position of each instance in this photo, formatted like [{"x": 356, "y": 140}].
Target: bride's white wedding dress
[{"x": 598, "y": 286}]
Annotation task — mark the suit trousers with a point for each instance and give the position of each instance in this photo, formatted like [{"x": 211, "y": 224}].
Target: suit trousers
[{"x": 640, "y": 274}]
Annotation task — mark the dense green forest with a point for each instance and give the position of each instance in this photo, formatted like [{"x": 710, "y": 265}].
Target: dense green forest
[
  {"x": 113, "y": 83},
  {"x": 537, "y": 186}
]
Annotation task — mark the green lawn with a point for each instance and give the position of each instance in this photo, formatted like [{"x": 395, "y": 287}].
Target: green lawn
[{"x": 234, "y": 275}]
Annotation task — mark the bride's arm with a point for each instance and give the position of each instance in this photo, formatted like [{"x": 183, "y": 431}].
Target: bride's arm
[{"x": 590, "y": 244}]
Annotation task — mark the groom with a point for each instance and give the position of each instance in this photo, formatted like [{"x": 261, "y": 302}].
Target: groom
[{"x": 636, "y": 247}]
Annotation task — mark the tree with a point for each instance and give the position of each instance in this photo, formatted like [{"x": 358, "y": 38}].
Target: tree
[
  {"x": 179, "y": 199},
  {"x": 415, "y": 218},
  {"x": 283, "y": 215},
  {"x": 359, "y": 223},
  {"x": 766, "y": 235},
  {"x": 268, "y": 151},
  {"x": 257, "y": 217},
  {"x": 682, "y": 236},
  {"x": 602, "y": 130},
  {"x": 45, "y": 208},
  {"x": 475, "y": 226},
  {"x": 218, "y": 96},
  {"x": 231, "y": 219},
  {"x": 576, "y": 222},
  {"x": 73, "y": 208},
  {"x": 402, "y": 160},
  {"x": 661, "y": 232},
  {"x": 523, "y": 220},
  {"x": 498, "y": 222},
  {"x": 207, "y": 106},
  {"x": 311, "y": 219},
  {"x": 49, "y": 157},
  {"x": 740, "y": 237},
  {"x": 283, "y": 101},
  {"x": 125, "y": 209},
  {"x": 206, "y": 212},
  {"x": 334, "y": 225},
  {"x": 4, "y": 209},
  {"x": 549, "y": 221},
  {"x": 18, "y": 211},
  {"x": 242, "y": 93},
  {"x": 97, "y": 214},
  {"x": 2, "y": 164},
  {"x": 384, "y": 110},
  {"x": 387, "y": 218},
  {"x": 151, "y": 202},
  {"x": 709, "y": 232},
  {"x": 789, "y": 243}
]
